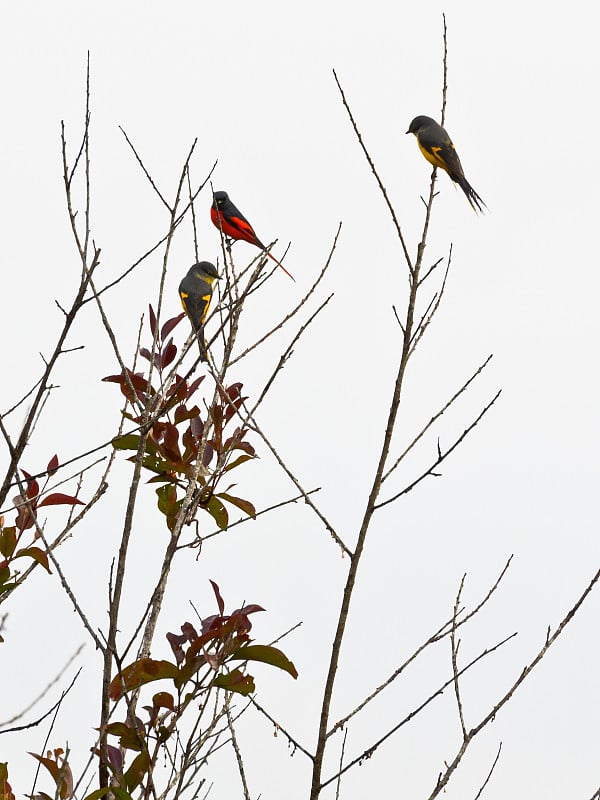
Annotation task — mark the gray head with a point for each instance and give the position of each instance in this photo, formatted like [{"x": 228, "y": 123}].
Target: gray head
[
  {"x": 206, "y": 270},
  {"x": 420, "y": 122}
]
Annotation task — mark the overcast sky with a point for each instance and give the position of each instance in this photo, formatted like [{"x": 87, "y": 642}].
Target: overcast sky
[{"x": 253, "y": 83}]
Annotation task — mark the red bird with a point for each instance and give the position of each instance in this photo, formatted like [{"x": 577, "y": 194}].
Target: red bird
[{"x": 227, "y": 218}]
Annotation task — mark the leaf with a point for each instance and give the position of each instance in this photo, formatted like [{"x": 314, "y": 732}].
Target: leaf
[
  {"x": 119, "y": 793},
  {"x": 245, "y": 505},
  {"x": 139, "y": 767},
  {"x": 171, "y": 442},
  {"x": 236, "y": 463},
  {"x": 235, "y": 681},
  {"x": 152, "y": 320},
  {"x": 60, "y": 499},
  {"x": 182, "y": 413},
  {"x": 164, "y": 700},
  {"x": 52, "y": 465},
  {"x": 6, "y": 792},
  {"x": 207, "y": 455},
  {"x": 168, "y": 354},
  {"x": 8, "y": 541},
  {"x": 137, "y": 381},
  {"x": 36, "y": 554},
  {"x": 267, "y": 655},
  {"x": 145, "y": 353},
  {"x": 167, "y": 498},
  {"x": 139, "y": 673},
  {"x": 194, "y": 386},
  {"x": 170, "y": 324},
  {"x": 61, "y": 773},
  {"x": 131, "y": 441},
  {"x": 33, "y": 487},
  {"x": 115, "y": 758},
  {"x": 220, "y": 601},
  {"x": 218, "y": 512}
]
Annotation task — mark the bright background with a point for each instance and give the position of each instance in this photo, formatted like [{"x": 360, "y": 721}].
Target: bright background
[{"x": 253, "y": 81}]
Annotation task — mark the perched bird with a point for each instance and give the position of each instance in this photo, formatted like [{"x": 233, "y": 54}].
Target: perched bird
[
  {"x": 195, "y": 291},
  {"x": 227, "y": 218},
  {"x": 437, "y": 147}
]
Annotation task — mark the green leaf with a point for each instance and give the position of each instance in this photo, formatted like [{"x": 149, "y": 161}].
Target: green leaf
[
  {"x": 167, "y": 497},
  {"x": 139, "y": 767},
  {"x": 119, "y": 793},
  {"x": 218, "y": 512},
  {"x": 266, "y": 654},
  {"x": 129, "y": 738},
  {"x": 130, "y": 441},
  {"x": 235, "y": 681},
  {"x": 8, "y": 541}
]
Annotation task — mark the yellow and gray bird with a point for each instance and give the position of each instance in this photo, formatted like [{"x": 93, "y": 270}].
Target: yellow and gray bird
[
  {"x": 437, "y": 147},
  {"x": 195, "y": 291}
]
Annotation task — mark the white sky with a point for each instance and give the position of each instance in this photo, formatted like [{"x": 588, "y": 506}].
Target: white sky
[{"x": 253, "y": 82}]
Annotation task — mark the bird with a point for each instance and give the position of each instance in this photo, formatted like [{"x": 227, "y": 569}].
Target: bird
[
  {"x": 195, "y": 291},
  {"x": 437, "y": 147},
  {"x": 229, "y": 219}
]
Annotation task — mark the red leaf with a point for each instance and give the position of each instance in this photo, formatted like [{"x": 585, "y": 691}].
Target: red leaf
[
  {"x": 152, "y": 320},
  {"x": 145, "y": 353},
  {"x": 189, "y": 631},
  {"x": 170, "y": 324},
  {"x": 220, "y": 601},
  {"x": 164, "y": 700},
  {"x": 168, "y": 354},
  {"x": 183, "y": 412},
  {"x": 36, "y": 554},
  {"x": 171, "y": 442},
  {"x": 33, "y": 487},
  {"x": 194, "y": 385},
  {"x": 244, "y": 505},
  {"x": 197, "y": 427},
  {"x": 52, "y": 465},
  {"x": 139, "y": 673},
  {"x": 60, "y": 499},
  {"x": 208, "y": 454},
  {"x": 115, "y": 758},
  {"x": 176, "y": 641}
]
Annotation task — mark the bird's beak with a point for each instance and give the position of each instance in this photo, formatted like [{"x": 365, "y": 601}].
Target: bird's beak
[{"x": 407, "y": 131}]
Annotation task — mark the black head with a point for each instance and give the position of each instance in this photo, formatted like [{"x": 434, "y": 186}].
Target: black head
[
  {"x": 220, "y": 198},
  {"x": 418, "y": 123}
]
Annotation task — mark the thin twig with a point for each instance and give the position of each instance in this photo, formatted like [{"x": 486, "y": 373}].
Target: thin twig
[
  {"x": 489, "y": 775},
  {"x": 454, "y": 647}
]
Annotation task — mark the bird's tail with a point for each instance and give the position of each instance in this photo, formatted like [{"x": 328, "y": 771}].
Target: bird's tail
[
  {"x": 202, "y": 344},
  {"x": 289, "y": 274},
  {"x": 476, "y": 202}
]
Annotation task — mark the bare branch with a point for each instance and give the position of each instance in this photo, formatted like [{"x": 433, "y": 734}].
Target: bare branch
[
  {"x": 489, "y": 775},
  {"x": 441, "y": 455},
  {"x": 455, "y": 646}
]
